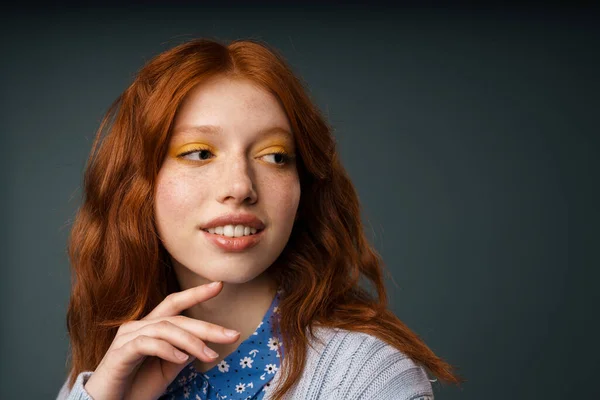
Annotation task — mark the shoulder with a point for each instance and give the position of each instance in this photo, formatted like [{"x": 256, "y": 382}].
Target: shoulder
[{"x": 356, "y": 365}]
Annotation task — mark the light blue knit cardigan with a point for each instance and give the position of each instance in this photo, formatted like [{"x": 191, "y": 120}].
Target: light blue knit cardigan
[{"x": 343, "y": 365}]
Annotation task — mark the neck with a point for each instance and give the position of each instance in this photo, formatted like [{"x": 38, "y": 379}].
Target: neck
[{"x": 239, "y": 306}]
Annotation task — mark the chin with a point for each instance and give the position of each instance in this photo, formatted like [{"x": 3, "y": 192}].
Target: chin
[{"x": 233, "y": 272}]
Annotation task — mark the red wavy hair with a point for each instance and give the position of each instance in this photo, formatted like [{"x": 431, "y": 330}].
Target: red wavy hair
[{"x": 120, "y": 269}]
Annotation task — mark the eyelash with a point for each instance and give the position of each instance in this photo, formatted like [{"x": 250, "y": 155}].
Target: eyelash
[{"x": 287, "y": 158}]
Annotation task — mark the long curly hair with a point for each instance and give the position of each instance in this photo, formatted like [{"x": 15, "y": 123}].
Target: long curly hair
[{"x": 120, "y": 270}]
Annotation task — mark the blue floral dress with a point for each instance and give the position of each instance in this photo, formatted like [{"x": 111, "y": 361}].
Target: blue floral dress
[{"x": 244, "y": 374}]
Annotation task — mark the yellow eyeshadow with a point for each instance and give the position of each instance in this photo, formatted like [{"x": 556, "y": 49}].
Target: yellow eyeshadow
[
  {"x": 276, "y": 144},
  {"x": 275, "y": 149},
  {"x": 177, "y": 151}
]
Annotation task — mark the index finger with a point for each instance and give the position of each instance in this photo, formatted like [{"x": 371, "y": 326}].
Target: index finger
[{"x": 176, "y": 302}]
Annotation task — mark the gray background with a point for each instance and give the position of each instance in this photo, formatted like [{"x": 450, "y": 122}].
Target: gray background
[{"x": 470, "y": 134}]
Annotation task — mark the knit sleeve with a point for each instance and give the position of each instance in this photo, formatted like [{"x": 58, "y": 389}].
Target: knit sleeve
[
  {"x": 398, "y": 383},
  {"x": 77, "y": 392},
  {"x": 388, "y": 374},
  {"x": 357, "y": 366}
]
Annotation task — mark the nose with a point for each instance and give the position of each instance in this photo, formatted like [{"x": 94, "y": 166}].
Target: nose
[{"x": 236, "y": 182}]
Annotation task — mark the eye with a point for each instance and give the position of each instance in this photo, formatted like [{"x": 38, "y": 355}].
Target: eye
[
  {"x": 195, "y": 154},
  {"x": 283, "y": 157}
]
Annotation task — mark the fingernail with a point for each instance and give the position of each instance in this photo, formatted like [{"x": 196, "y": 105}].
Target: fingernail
[
  {"x": 231, "y": 332},
  {"x": 215, "y": 284},
  {"x": 210, "y": 352},
  {"x": 180, "y": 355}
]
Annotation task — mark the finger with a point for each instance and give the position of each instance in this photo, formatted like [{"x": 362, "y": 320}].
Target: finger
[
  {"x": 176, "y": 336},
  {"x": 201, "y": 329},
  {"x": 127, "y": 357},
  {"x": 177, "y": 302}
]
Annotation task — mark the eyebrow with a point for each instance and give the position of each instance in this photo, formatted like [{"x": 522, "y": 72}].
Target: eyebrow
[{"x": 217, "y": 130}]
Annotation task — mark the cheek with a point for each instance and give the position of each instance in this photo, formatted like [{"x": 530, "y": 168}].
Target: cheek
[
  {"x": 284, "y": 198},
  {"x": 172, "y": 202}
]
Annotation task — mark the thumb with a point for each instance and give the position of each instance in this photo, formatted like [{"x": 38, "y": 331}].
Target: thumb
[{"x": 149, "y": 386}]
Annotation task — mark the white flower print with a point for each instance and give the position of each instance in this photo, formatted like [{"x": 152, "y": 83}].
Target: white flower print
[
  {"x": 246, "y": 362},
  {"x": 183, "y": 380},
  {"x": 274, "y": 343},
  {"x": 186, "y": 391},
  {"x": 198, "y": 397},
  {"x": 276, "y": 310},
  {"x": 223, "y": 366},
  {"x": 240, "y": 387},
  {"x": 271, "y": 368}
]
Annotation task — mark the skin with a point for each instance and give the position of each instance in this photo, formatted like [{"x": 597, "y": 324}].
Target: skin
[{"x": 238, "y": 172}]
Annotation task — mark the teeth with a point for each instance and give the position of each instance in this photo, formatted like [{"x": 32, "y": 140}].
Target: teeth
[{"x": 232, "y": 230}]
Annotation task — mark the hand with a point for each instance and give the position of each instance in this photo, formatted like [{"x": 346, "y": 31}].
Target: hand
[{"x": 142, "y": 359}]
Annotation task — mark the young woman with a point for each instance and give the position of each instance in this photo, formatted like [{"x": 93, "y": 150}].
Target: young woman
[{"x": 214, "y": 166}]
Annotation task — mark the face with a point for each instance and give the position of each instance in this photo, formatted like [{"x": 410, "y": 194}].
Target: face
[{"x": 232, "y": 167}]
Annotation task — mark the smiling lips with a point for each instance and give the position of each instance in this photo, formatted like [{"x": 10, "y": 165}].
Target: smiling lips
[
  {"x": 232, "y": 230},
  {"x": 233, "y": 244},
  {"x": 235, "y": 219}
]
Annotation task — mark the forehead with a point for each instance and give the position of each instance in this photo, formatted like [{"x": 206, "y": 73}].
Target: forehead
[
  {"x": 220, "y": 97},
  {"x": 221, "y": 105}
]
